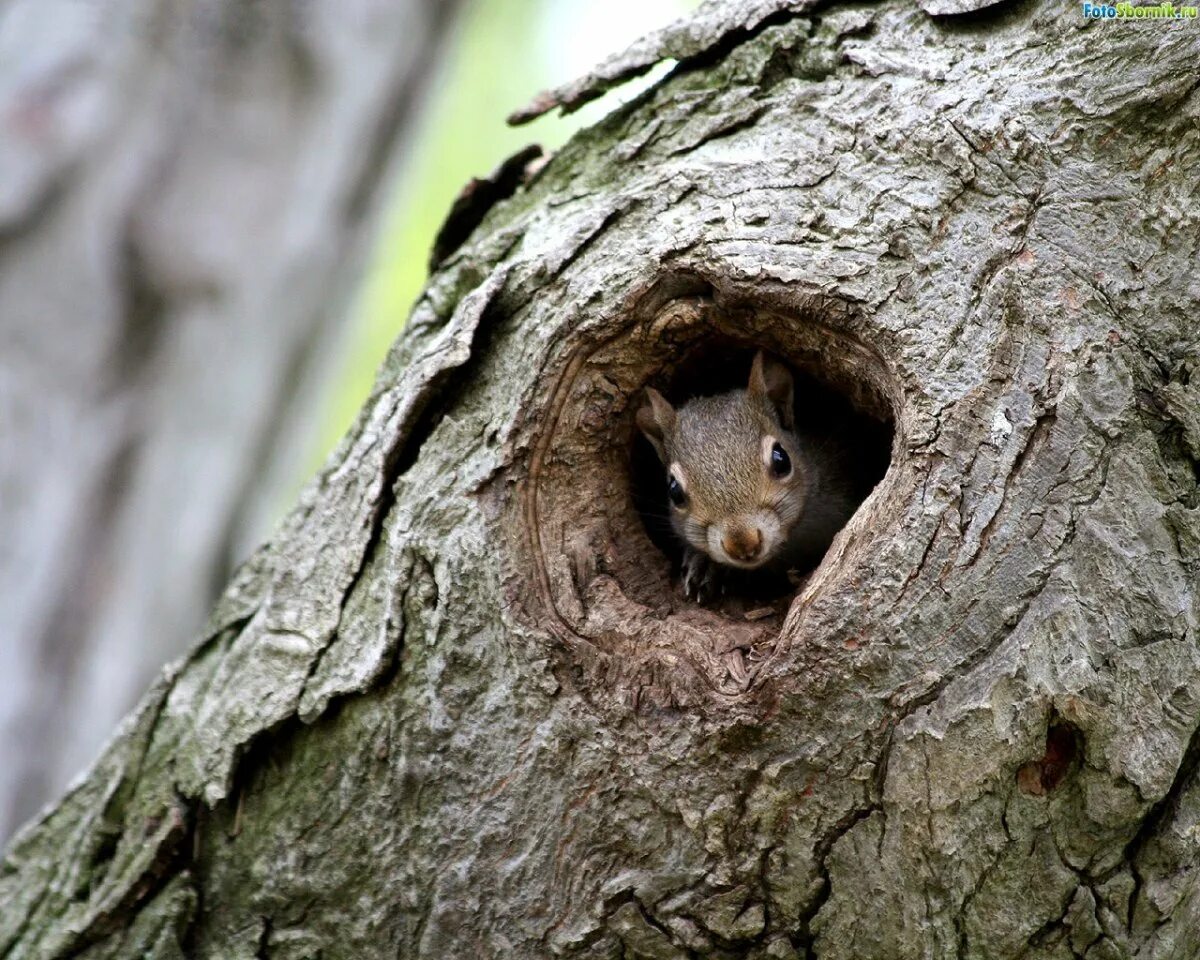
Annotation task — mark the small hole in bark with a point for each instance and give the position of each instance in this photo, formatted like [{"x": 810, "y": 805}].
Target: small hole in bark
[
  {"x": 1064, "y": 747},
  {"x": 836, "y": 428}
]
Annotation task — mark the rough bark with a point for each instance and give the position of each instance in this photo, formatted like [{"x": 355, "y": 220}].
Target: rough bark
[
  {"x": 184, "y": 191},
  {"x": 457, "y": 707}
]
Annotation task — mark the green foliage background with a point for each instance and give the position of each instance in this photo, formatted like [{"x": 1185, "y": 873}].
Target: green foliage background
[{"x": 500, "y": 53}]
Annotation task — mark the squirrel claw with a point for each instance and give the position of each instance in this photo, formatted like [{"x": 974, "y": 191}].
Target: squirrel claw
[{"x": 700, "y": 577}]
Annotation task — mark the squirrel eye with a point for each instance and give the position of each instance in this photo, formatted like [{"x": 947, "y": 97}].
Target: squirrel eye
[
  {"x": 781, "y": 463},
  {"x": 675, "y": 491}
]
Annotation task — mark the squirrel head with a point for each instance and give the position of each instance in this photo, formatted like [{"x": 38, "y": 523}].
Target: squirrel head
[{"x": 736, "y": 476}]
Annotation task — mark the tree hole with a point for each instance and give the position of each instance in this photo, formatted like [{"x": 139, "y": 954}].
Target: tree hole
[{"x": 603, "y": 562}]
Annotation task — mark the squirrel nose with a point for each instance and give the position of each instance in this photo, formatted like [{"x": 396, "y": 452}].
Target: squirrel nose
[{"x": 742, "y": 544}]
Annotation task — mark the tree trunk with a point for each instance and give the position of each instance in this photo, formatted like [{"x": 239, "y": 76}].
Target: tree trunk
[
  {"x": 459, "y": 708},
  {"x": 184, "y": 192}
]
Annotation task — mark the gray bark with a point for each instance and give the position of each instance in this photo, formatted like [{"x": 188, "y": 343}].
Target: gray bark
[
  {"x": 184, "y": 193},
  {"x": 458, "y": 708}
]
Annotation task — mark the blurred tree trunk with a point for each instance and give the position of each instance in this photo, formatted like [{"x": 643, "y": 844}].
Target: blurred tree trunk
[
  {"x": 458, "y": 709},
  {"x": 185, "y": 192}
]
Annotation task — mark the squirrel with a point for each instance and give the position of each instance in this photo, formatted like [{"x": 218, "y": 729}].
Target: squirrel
[{"x": 746, "y": 488}]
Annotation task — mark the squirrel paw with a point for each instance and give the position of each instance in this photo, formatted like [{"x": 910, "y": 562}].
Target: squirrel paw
[{"x": 700, "y": 577}]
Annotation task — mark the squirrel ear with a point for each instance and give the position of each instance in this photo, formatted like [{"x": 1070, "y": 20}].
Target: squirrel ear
[
  {"x": 771, "y": 379},
  {"x": 656, "y": 419}
]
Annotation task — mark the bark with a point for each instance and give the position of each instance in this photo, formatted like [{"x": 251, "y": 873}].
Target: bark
[
  {"x": 184, "y": 192},
  {"x": 458, "y": 707}
]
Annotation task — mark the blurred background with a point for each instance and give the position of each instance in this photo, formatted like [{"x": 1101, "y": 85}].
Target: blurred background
[{"x": 214, "y": 217}]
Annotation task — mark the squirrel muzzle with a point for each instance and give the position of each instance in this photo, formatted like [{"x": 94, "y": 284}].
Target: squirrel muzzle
[{"x": 743, "y": 544}]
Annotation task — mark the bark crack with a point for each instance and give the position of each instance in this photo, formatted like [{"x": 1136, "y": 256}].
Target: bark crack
[{"x": 804, "y": 938}]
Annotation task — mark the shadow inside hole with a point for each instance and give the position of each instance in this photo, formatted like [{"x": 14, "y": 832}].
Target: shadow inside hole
[
  {"x": 1064, "y": 750},
  {"x": 860, "y": 440}
]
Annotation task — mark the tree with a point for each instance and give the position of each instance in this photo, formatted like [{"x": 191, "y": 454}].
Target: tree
[
  {"x": 185, "y": 191},
  {"x": 458, "y": 707}
]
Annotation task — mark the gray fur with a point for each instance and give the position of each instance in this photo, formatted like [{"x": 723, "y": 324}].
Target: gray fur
[{"x": 718, "y": 443}]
